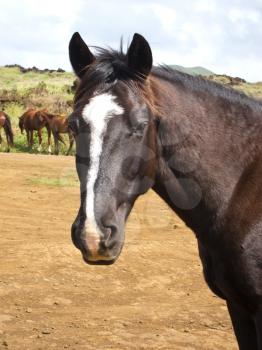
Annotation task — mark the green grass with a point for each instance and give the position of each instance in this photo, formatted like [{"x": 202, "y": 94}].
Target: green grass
[
  {"x": 12, "y": 78},
  {"x": 253, "y": 90},
  {"x": 20, "y": 91},
  {"x": 65, "y": 180},
  {"x": 193, "y": 70},
  {"x": 21, "y": 144},
  {"x": 250, "y": 89}
]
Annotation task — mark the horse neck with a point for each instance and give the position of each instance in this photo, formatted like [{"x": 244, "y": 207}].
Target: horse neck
[
  {"x": 48, "y": 115},
  {"x": 202, "y": 154}
]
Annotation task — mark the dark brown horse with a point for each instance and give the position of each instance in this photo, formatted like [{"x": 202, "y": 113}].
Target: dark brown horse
[
  {"x": 34, "y": 120},
  {"x": 5, "y": 123},
  {"x": 58, "y": 125},
  {"x": 196, "y": 143}
]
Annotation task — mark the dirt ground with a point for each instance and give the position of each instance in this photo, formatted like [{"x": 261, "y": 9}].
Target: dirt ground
[{"x": 154, "y": 297}]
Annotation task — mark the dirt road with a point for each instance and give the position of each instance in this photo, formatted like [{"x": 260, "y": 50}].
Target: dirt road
[{"x": 154, "y": 297}]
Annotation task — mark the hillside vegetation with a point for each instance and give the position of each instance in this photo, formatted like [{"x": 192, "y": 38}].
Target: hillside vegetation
[
  {"x": 34, "y": 89},
  {"x": 22, "y": 88},
  {"x": 193, "y": 70},
  {"x": 251, "y": 89}
]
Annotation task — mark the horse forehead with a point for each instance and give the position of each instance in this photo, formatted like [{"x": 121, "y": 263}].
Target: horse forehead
[{"x": 100, "y": 109}]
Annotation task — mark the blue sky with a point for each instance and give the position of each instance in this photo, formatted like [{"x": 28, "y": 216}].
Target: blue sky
[{"x": 224, "y": 36}]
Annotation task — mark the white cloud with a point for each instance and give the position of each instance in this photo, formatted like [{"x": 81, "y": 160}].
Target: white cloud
[
  {"x": 209, "y": 6},
  {"x": 166, "y": 14},
  {"x": 238, "y": 14},
  {"x": 36, "y": 26},
  {"x": 220, "y": 35}
]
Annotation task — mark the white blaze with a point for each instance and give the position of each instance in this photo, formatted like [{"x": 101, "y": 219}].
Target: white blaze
[{"x": 97, "y": 114}]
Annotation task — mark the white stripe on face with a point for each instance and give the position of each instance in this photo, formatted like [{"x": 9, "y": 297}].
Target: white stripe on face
[{"x": 97, "y": 114}]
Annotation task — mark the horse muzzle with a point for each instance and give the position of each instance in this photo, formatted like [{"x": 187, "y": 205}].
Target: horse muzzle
[{"x": 97, "y": 247}]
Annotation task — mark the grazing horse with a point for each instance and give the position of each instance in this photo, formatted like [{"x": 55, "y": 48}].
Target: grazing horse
[
  {"x": 5, "y": 123},
  {"x": 196, "y": 143},
  {"x": 33, "y": 120},
  {"x": 58, "y": 124}
]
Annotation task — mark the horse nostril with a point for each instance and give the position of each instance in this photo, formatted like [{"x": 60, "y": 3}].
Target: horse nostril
[{"x": 110, "y": 232}]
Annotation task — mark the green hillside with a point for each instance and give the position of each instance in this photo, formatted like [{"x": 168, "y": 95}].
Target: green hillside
[
  {"x": 22, "y": 88},
  {"x": 193, "y": 70},
  {"x": 37, "y": 89},
  {"x": 33, "y": 89}
]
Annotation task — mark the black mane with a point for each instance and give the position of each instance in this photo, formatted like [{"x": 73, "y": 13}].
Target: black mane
[
  {"x": 200, "y": 84},
  {"x": 111, "y": 65}
]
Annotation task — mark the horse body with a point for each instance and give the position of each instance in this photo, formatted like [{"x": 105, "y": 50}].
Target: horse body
[
  {"x": 213, "y": 166},
  {"x": 5, "y": 123},
  {"x": 196, "y": 143},
  {"x": 34, "y": 120},
  {"x": 59, "y": 125}
]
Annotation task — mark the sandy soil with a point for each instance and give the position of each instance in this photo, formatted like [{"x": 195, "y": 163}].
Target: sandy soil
[{"x": 154, "y": 297}]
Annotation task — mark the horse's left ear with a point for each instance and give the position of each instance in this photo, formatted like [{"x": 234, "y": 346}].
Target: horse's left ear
[
  {"x": 79, "y": 54},
  {"x": 139, "y": 56}
]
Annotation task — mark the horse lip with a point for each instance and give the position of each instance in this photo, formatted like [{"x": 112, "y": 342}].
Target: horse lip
[
  {"x": 77, "y": 242},
  {"x": 92, "y": 261},
  {"x": 102, "y": 261},
  {"x": 99, "y": 262}
]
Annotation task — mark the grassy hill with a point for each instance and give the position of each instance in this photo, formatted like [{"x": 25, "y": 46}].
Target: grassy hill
[
  {"x": 37, "y": 89},
  {"x": 21, "y": 89},
  {"x": 193, "y": 70},
  {"x": 251, "y": 89}
]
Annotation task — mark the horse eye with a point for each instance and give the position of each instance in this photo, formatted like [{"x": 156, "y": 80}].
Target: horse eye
[
  {"x": 139, "y": 129},
  {"x": 142, "y": 125},
  {"x": 130, "y": 167}
]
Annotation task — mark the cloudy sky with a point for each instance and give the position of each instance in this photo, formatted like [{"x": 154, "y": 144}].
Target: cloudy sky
[{"x": 224, "y": 36}]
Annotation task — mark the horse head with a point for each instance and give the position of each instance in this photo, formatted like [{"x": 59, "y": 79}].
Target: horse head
[{"x": 116, "y": 145}]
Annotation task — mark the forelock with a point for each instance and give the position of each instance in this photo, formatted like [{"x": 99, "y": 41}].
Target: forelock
[{"x": 109, "y": 67}]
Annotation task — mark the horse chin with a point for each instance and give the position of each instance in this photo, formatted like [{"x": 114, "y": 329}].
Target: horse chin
[{"x": 101, "y": 261}]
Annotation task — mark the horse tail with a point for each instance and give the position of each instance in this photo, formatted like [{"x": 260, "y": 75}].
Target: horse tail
[
  {"x": 8, "y": 130},
  {"x": 21, "y": 124}
]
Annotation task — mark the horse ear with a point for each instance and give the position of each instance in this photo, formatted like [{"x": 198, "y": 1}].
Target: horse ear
[
  {"x": 139, "y": 56},
  {"x": 79, "y": 54}
]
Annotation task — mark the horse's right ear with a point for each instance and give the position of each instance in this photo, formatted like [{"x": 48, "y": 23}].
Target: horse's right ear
[
  {"x": 139, "y": 56},
  {"x": 79, "y": 54}
]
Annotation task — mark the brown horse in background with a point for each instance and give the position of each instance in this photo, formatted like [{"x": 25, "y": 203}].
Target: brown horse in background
[
  {"x": 5, "y": 123},
  {"x": 33, "y": 120},
  {"x": 58, "y": 124}
]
